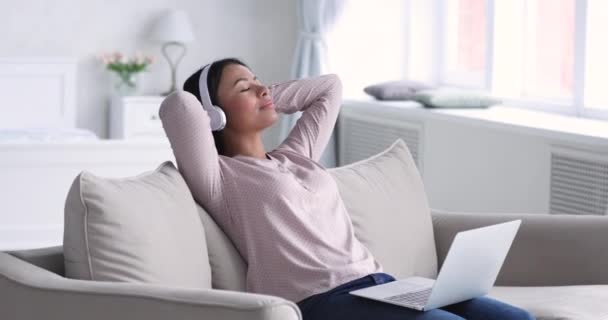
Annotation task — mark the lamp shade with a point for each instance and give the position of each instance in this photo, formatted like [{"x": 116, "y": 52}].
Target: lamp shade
[{"x": 172, "y": 26}]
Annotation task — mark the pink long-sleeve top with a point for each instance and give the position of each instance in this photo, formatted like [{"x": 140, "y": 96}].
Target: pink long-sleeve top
[{"x": 284, "y": 215}]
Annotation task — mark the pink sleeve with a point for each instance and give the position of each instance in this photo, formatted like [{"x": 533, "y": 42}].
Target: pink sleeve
[
  {"x": 187, "y": 126},
  {"x": 319, "y": 99}
]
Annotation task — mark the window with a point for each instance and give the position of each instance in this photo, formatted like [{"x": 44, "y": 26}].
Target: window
[
  {"x": 545, "y": 54},
  {"x": 549, "y": 47},
  {"x": 596, "y": 55},
  {"x": 534, "y": 49},
  {"x": 464, "y": 58},
  {"x": 541, "y": 54},
  {"x": 366, "y": 44}
]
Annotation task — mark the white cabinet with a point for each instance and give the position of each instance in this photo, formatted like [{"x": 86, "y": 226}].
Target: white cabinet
[{"x": 136, "y": 117}]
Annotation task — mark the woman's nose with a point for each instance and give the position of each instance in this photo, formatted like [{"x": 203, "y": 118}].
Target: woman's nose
[{"x": 264, "y": 91}]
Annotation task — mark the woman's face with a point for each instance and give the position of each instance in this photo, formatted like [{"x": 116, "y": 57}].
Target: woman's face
[{"x": 246, "y": 102}]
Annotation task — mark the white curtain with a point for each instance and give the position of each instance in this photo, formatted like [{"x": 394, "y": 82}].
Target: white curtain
[{"x": 316, "y": 18}]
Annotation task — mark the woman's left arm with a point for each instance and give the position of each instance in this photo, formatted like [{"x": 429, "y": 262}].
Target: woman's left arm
[{"x": 319, "y": 98}]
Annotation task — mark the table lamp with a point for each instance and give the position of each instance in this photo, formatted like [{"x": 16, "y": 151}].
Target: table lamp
[{"x": 174, "y": 30}]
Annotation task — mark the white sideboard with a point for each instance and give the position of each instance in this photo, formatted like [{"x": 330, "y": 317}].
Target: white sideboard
[{"x": 135, "y": 117}]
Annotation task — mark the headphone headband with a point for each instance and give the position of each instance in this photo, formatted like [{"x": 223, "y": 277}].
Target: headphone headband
[
  {"x": 203, "y": 89},
  {"x": 216, "y": 114}
]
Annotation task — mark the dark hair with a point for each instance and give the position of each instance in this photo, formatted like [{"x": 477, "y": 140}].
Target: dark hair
[{"x": 213, "y": 83}]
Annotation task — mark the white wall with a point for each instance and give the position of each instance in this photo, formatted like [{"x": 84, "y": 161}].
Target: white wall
[{"x": 261, "y": 32}]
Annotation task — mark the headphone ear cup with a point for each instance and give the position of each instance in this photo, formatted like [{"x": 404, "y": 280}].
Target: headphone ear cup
[{"x": 218, "y": 118}]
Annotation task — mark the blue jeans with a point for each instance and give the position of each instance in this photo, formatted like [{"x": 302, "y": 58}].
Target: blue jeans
[{"x": 338, "y": 304}]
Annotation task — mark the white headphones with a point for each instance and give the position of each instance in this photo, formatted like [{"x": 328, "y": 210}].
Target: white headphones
[{"x": 216, "y": 114}]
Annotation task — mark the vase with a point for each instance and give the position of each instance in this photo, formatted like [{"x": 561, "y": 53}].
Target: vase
[{"x": 126, "y": 84}]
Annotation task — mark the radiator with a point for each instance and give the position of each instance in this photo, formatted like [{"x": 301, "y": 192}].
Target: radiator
[
  {"x": 579, "y": 181},
  {"x": 364, "y": 135}
]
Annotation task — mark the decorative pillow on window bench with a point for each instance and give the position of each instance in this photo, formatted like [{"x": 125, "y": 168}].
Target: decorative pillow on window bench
[
  {"x": 395, "y": 90},
  {"x": 454, "y": 98}
]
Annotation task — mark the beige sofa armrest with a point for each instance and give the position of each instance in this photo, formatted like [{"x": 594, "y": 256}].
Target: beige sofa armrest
[
  {"x": 549, "y": 250},
  {"x": 30, "y": 292}
]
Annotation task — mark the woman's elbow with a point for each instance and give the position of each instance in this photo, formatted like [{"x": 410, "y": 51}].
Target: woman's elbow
[
  {"x": 335, "y": 84},
  {"x": 179, "y": 103},
  {"x": 335, "y": 79}
]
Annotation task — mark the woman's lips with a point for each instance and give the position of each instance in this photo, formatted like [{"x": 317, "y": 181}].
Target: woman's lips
[{"x": 268, "y": 104}]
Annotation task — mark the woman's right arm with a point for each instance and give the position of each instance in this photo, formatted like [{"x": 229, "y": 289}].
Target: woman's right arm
[{"x": 187, "y": 126}]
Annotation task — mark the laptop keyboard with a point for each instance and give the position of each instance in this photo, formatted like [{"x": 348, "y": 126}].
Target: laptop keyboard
[{"x": 417, "y": 298}]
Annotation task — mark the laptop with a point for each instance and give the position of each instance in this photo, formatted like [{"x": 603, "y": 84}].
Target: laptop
[{"x": 469, "y": 271}]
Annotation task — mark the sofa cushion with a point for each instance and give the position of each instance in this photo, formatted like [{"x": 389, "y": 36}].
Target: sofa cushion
[
  {"x": 385, "y": 198},
  {"x": 228, "y": 268},
  {"x": 137, "y": 229},
  {"x": 553, "y": 303}
]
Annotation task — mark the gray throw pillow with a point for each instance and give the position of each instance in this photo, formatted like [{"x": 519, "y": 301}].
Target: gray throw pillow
[
  {"x": 395, "y": 90},
  {"x": 454, "y": 98},
  {"x": 385, "y": 198},
  {"x": 138, "y": 229}
]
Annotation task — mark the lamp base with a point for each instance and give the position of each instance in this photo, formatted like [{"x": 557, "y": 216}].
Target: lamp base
[{"x": 173, "y": 64}]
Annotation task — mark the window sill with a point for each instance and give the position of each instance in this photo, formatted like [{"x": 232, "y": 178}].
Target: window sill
[{"x": 549, "y": 125}]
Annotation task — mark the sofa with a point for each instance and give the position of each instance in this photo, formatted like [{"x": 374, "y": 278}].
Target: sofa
[{"x": 557, "y": 267}]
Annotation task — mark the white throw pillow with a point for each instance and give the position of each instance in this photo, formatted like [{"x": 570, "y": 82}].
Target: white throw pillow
[
  {"x": 385, "y": 198},
  {"x": 138, "y": 229},
  {"x": 228, "y": 268},
  {"x": 454, "y": 98}
]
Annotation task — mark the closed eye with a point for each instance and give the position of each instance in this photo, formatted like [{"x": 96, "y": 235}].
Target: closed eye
[{"x": 245, "y": 90}]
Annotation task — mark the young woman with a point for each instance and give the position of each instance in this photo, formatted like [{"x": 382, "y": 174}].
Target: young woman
[{"x": 282, "y": 209}]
